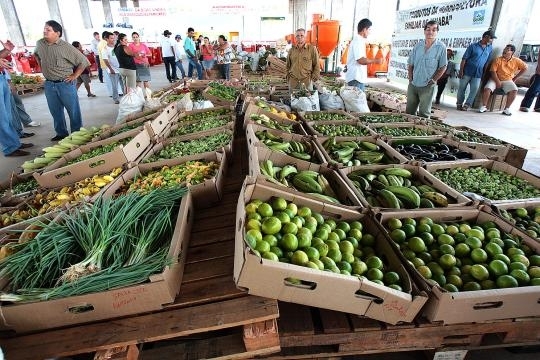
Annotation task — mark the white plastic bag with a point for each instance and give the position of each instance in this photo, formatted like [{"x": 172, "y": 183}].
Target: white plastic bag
[
  {"x": 147, "y": 93},
  {"x": 354, "y": 99},
  {"x": 185, "y": 103},
  {"x": 306, "y": 103},
  {"x": 330, "y": 100},
  {"x": 131, "y": 102},
  {"x": 202, "y": 104}
]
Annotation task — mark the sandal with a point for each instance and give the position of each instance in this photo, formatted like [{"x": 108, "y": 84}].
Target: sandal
[{"x": 91, "y": 95}]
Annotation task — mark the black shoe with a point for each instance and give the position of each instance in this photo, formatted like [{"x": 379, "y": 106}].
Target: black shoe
[
  {"x": 26, "y": 145},
  {"x": 18, "y": 152},
  {"x": 26, "y": 135},
  {"x": 58, "y": 137},
  {"x": 171, "y": 81}
]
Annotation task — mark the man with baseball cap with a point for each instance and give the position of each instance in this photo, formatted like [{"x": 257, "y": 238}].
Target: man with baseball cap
[
  {"x": 168, "y": 55},
  {"x": 471, "y": 69}
]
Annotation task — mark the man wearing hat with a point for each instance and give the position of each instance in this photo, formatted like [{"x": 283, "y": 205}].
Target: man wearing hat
[
  {"x": 472, "y": 68},
  {"x": 168, "y": 55}
]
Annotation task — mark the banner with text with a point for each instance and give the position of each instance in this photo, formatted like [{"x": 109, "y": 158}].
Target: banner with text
[{"x": 461, "y": 23}]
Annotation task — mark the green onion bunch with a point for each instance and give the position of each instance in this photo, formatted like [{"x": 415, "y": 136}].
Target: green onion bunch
[{"x": 111, "y": 244}]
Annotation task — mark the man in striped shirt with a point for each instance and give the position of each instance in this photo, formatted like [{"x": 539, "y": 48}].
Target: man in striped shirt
[{"x": 58, "y": 59}]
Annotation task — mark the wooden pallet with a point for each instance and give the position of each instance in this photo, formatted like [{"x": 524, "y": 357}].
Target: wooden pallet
[
  {"x": 209, "y": 312},
  {"x": 29, "y": 91},
  {"x": 306, "y": 332}
]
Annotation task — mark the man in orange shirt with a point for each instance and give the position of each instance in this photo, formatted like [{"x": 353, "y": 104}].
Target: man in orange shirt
[{"x": 502, "y": 74}]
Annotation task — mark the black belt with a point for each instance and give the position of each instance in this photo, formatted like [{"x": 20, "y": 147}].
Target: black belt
[{"x": 55, "y": 81}]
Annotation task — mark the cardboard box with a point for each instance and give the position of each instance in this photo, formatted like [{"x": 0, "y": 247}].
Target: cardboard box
[
  {"x": 338, "y": 185},
  {"x": 490, "y": 165},
  {"x": 253, "y": 109},
  {"x": 164, "y": 120},
  {"x": 529, "y": 204},
  {"x": 493, "y": 148},
  {"x": 217, "y": 101},
  {"x": 455, "y": 199},
  {"x": 322, "y": 289},
  {"x": 472, "y": 306},
  {"x": 385, "y": 118},
  {"x": 496, "y": 102},
  {"x": 273, "y": 121},
  {"x": 186, "y": 138},
  {"x": 392, "y": 155},
  {"x": 159, "y": 290},
  {"x": 63, "y": 174},
  {"x": 454, "y": 146},
  {"x": 310, "y": 116},
  {"x": 204, "y": 194},
  {"x": 252, "y": 140},
  {"x": 430, "y": 132},
  {"x": 311, "y": 127},
  {"x": 7, "y": 197}
]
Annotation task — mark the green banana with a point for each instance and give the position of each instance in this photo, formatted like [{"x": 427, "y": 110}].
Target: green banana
[
  {"x": 300, "y": 155},
  {"x": 308, "y": 173},
  {"x": 347, "y": 144},
  {"x": 406, "y": 182},
  {"x": 382, "y": 178},
  {"x": 404, "y": 173},
  {"x": 410, "y": 198},
  {"x": 394, "y": 180},
  {"x": 329, "y": 143},
  {"x": 326, "y": 198},
  {"x": 267, "y": 168},
  {"x": 423, "y": 188},
  {"x": 426, "y": 203},
  {"x": 369, "y": 146},
  {"x": 286, "y": 171},
  {"x": 306, "y": 184},
  {"x": 388, "y": 199},
  {"x": 325, "y": 185},
  {"x": 279, "y": 145},
  {"x": 344, "y": 153},
  {"x": 371, "y": 177},
  {"x": 437, "y": 198},
  {"x": 273, "y": 137}
]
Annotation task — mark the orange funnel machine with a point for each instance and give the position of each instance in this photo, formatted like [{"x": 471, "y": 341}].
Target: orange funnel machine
[{"x": 325, "y": 35}]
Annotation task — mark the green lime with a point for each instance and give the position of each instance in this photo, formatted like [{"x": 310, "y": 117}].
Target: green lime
[
  {"x": 391, "y": 277},
  {"x": 479, "y": 272},
  {"x": 359, "y": 267},
  {"x": 534, "y": 260},
  {"x": 416, "y": 244},
  {"x": 265, "y": 210},
  {"x": 289, "y": 242},
  {"x": 356, "y": 225},
  {"x": 334, "y": 255},
  {"x": 394, "y": 223},
  {"x": 493, "y": 249},
  {"x": 262, "y": 246},
  {"x": 346, "y": 247},
  {"x": 454, "y": 280},
  {"x": 488, "y": 284},
  {"x": 445, "y": 239},
  {"x": 409, "y": 229},
  {"x": 374, "y": 262},
  {"x": 472, "y": 286},
  {"x": 447, "y": 249},
  {"x": 279, "y": 203},
  {"x": 299, "y": 258},
  {"x": 304, "y": 237},
  {"x": 479, "y": 256},
  {"x": 521, "y": 276},
  {"x": 452, "y": 230},
  {"x": 355, "y": 233},
  {"x": 408, "y": 221},
  {"x": 282, "y": 216},
  {"x": 473, "y": 242},
  {"x": 534, "y": 272},
  {"x": 447, "y": 261},
  {"x": 252, "y": 236},
  {"x": 497, "y": 268},
  {"x": 312, "y": 253},
  {"x": 506, "y": 281},
  {"x": 277, "y": 250},
  {"x": 424, "y": 271},
  {"x": 270, "y": 256},
  {"x": 450, "y": 287},
  {"x": 420, "y": 228},
  {"x": 374, "y": 274},
  {"x": 322, "y": 248},
  {"x": 502, "y": 257},
  {"x": 437, "y": 229},
  {"x": 416, "y": 262},
  {"x": 304, "y": 211},
  {"x": 462, "y": 250},
  {"x": 367, "y": 240},
  {"x": 270, "y": 225},
  {"x": 435, "y": 268},
  {"x": 476, "y": 232},
  {"x": 289, "y": 228},
  {"x": 270, "y": 239}
]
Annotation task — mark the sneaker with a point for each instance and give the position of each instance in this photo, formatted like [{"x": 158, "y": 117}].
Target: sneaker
[
  {"x": 459, "y": 107},
  {"x": 33, "y": 124},
  {"x": 524, "y": 109},
  {"x": 465, "y": 107},
  {"x": 506, "y": 112},
  {"x": 91, "y": 95},
  {"x": 482, "y": 109},
  {"x": 117, "y": 102}
]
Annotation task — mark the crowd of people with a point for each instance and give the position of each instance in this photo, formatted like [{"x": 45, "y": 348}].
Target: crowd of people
[{"x": 198, "y": 54}]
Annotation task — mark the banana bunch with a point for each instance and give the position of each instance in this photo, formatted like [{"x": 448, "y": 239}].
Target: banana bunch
[
  {"x": 306, "y": 181},
  {"x": 298, "y": 149},
  {"x": 394, "y": 188},
  {"x": 354, "y": 153},
  {"x": 264, "y": 120},
  {"x": 55, "y": 152}
]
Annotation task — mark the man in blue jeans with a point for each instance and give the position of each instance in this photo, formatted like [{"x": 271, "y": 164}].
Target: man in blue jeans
[
  {"x": 471, "y": 69},
  {"x": 9, "y": 140},
  {"x": 534, "y": 90},
  {"x": 191, "y": 53},
  {"x": 57, "y": 59}
]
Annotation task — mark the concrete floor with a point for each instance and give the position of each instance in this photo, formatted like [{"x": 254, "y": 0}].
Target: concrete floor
[{"x": 522, "y": 129}]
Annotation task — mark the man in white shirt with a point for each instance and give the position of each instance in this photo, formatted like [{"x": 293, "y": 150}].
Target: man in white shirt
[
  {"x": 357, "y": 60},
  {"x": 94, "y": 45},
  {"x": 113, "y": 67},
  {"x": 168, "y": 55},
  {"x": 180, "y": 54}
]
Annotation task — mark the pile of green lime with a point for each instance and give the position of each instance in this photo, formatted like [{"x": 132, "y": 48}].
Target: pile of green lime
[
  {"x": 282, "y": 231},
  {"x": 525, "y": 219},
  {"x": 465, "y": 256}
]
